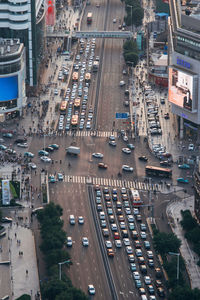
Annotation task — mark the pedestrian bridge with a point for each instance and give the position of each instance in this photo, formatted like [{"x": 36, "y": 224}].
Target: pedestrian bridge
[{"x": 92, "y": 34}]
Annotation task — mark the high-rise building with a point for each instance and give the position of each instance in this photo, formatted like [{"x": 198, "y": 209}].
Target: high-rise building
[
  {"x": 25, "y": 20},
  {"x": 184, "y": 65}
]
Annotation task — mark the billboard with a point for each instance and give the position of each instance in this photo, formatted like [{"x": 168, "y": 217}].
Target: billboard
[
  {"x": 181, "y": 88},
  {"x": 50, "y": 14},
  {"x": 8, "y": 88},
  {"x": 5, "y": 192}
]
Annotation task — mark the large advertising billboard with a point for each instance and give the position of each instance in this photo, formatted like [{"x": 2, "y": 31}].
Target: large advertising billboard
[
  {"x": 8, "y": 88},
  {"x": 181, "y": 88},
  {"x": 50, "y": 14}
]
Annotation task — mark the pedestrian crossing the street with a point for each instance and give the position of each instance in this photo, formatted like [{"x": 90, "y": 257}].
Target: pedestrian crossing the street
[
  {"x": 112, "y": 182},
  {"x": 91, "y": 133}
]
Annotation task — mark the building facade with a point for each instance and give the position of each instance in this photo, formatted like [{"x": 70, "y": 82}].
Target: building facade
[
  {"x": 184, "y": 66},
  {"x": 25, "y": 20},
  {"x": 12, "y": 78}
]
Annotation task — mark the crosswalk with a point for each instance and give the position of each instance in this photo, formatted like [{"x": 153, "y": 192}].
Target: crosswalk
[
  {"x": 112, "y": 182},
  {"x": 91, "y": 133}
]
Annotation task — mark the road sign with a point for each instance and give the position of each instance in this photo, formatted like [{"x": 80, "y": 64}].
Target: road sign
[{"x": 121, "y": 115}]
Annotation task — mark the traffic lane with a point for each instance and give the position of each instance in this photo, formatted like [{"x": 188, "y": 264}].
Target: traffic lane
[
  {"x": 74, "y": 201},
  {"x": 98, "y": 17}
]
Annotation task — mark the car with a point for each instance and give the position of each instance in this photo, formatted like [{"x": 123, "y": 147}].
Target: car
[
  {"x": 159, "y": 283},
  {"x": 97, "y": 5},
  {"x": 108, "y": 244},
  {"x": 97, "y": 155},
  {"x": 151, "y": 263},
  {"x": 122, "y": 225},
  {"x": 114, "y": 20},
  {"x": 135, "y": 211},
  {"x": 110, "y": 211},
  {"x": 99, "y": 207},
  {"x": 125, "y": 139},
  {"x": 166, "y": 116},
  {"x": 56, "y": 92},
  {"x": 45, "y": 159},
  {"x": 130, "y": 218},
  {"x": 102, "y": 165},
  {"x": 8, "y": 135},
  {"x": 80, "y": 220},
  {"x": 127, "y": 168},
  {"x": 126, "y": 150},
  {"x": 143, "y": 235},
  {"x": 161, "y": 291},
  {"x": 22, "y": 145},
  {"x": 138, "y": 252},
  {"x": 69, "y": 241},
  {"x": 6, "y": 220},
  {"x": 151, "y": 289},
  {"x": 112, "y": 143},
  {"x": 150, "y": 254},
  {"x": 182, "y": 180},
  {"x": 143, "y": 158},
  {"x": 85, "y": 241},
  {"x": 147, "y": 280},
  {"x": 102, "y": 215},
  {"x": 131, "y": 226},
  {"x": 136, "y": 275},
  {"x": 43, "y": 153},
  {"x": 137, "y": 244},
  {"x": 103, "y": 223},
  {"x": 3, "y": 147},
  {"x": 139, "y": 218},
  {"x": 152, "y": 297},
  {"x": 28, "y": 154},
  {"x": 60, "y": 177},
  {"x": 138, "y": 283},
  {"x": 52, "y": 179},
  {"x": 147, "y": 245},
  {"x": 128, "y": 210},
  {"x": 126, "y": 241},
  {"x": 143, "y": 227},
  {"x": 131, "y": 146},
  {"x": 143, "y": 268},
  {"x": 129, "y": 250},
  {"x": 110, "y": 252},
  {"x": 158, "y": 272},
  {"x": 165, "y": 163},
  {"x": 131, "y": 258},
  {"x": 133, "y": 267},
  {"x": 184, "y": 166},
  {"x": 112, "y": 138},
  {"x": 191, "y": 147},
  {"x": 114, "y": 227},
  {"x": 105, "y": 232},
  {"x": 20, "y": 140},
  {"x": 49, "y": 149},
  {"x": 91, "y": 289},
  {"x": 32, "y": 165},
  {"x": 118, "y": 243}
]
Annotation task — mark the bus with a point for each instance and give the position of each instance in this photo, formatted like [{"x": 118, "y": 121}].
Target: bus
[
  {"x": 75, "y": 76},
  {"x": 87, "y": 77},
  {"x": 77, "y": 103},
  {"x": 63, "y": 107},
  {"x": 74, "y": 120},
  {"x": 135, "y": 197},
  {"x": 89, "y": 18},
  {"x": 95, "y": 66},
  {"x": 158, "y": 172}
]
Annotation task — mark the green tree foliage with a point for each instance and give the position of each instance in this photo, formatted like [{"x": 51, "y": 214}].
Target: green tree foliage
[
  {"x": 134, "y": 8},
  {"x": 166, "y": 242},
  {"x": 130, "y": 52},
  {"x": 193, "y": 235},
  {"x": 188, "y": 222},
  {"x": 55, "y": 256},
  {"x": 72, "y": 294},
  {"x": 184, "y": 293},
  {"x": 138, "y": 15}
]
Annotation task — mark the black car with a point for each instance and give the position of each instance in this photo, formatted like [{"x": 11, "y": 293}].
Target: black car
[
  {"x": 143, "y": 158},
  {"x": 48, "y": 149},
  {"x": 166, "y": 116},
  {"x": 20, "y": 140}
]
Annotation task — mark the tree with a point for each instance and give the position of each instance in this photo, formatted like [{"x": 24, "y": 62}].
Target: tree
[
  {"x": 55, "y": 256},
  {"x": 166, "y": 242},
  {"x": 188, "y": 222},
  {"x": 131, "y": 57},
  {"x": 130, "y": 45},
  {"x": 52, "y": 288},
  {"x": 193, "y": 235},
  {"x": 184, "y": 293},
  {"x": 138, "y": 15},
  {"x": 72, "y": 294}
]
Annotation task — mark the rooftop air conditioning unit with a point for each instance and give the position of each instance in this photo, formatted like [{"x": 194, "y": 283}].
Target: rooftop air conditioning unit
[
  {"x": 8, "y": 48},
  {"x": 2, "y": 50}
]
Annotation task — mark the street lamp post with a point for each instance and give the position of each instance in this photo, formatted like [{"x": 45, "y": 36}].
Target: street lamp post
[
  {"x": 177, "y": 270},
  {"x": 131, "y": 16},
  {"x": 60, "y": 265}
]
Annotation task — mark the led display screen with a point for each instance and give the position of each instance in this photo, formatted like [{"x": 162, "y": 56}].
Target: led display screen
[
  {"x": 181, "y": 87},
  {"x": 8, "y": 88}
]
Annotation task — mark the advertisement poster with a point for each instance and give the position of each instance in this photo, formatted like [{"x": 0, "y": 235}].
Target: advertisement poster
[
  {"x": 5, "y": 192},
  {"x": 50, "y": 14},
  {"x": 181, "y": 88}
]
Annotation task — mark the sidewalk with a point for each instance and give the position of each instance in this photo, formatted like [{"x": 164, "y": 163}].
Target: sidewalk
[{"x": 191, "y": 259}]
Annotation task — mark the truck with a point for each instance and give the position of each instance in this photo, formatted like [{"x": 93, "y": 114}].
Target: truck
[{"x": 73, "y": 150}]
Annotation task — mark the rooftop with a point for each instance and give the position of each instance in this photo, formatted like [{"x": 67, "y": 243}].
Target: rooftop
[{"x": 9, "y": 46}]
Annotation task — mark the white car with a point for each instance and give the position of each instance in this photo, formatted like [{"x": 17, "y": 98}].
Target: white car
[
  {"x": 80, "y": 220},
  {"x": 128, "y": 210},
  {"x": 136, "y": 275},
  {"x": 69, "y": 241},
  {"x": 129, "y": 250},
  {"x": 143, "y": 235},
  {"x": 85, "y": 241},
  {"x": 45, "y": 159},
  {"x": 56, "y": 92},
  {"x": 122, "y": 225},
  {"x": 112, "y": 138},
  {"x": 122, "y": 83},
  {"x": 108, "y": 244},
  {"x": 32, "y": 165},
  {"x": 136, "y": 211},
  {"x": 130, "y": 218},
  {"x": 126, "y": 150},
  {"x": 114, "y": 20},
  {"x": 126, "y": 242},
  {"x": 97, "y": 155},
  {"x": 91, "y": 289},
  {"x": 147, "y": 280},
  {"x": 113, "y": 227},
  {"x": 22, "y": 145},
  {"x": 118, "y": 243},
  {"x": 150, "y": 254},
  {"x": 127, "y": 168},
  {"x": 191, "y": 147},
  {"x": 125, "y": 138}
]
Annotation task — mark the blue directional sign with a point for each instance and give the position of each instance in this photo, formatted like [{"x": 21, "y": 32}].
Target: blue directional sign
[{"x": 121, "y": 115}]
